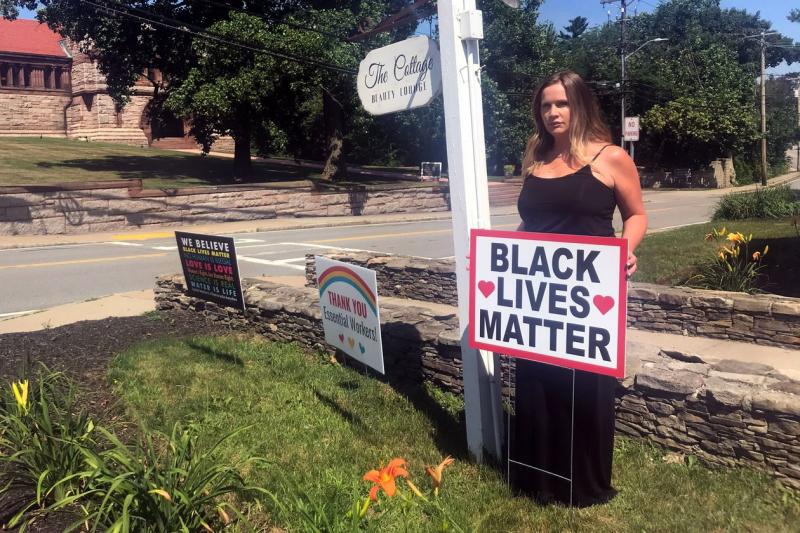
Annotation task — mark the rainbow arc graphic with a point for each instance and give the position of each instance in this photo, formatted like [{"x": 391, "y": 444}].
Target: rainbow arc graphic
[{"x": 340, "y": 274}]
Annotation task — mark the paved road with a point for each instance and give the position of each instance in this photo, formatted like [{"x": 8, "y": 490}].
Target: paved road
[{"x": 38, "y": 278}]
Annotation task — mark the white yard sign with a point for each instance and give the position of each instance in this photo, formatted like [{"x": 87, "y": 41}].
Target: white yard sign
[
  {"x": 558, "y": 299},
  {"x": 400, "y": 76},
  {"x": 348, "y": 296}
]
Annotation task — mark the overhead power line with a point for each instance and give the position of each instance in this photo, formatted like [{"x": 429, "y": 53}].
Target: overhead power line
[{"x": 204, "y": 33}]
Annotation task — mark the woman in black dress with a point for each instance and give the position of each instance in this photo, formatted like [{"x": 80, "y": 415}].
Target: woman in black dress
[{"x": 574, "y": 180}]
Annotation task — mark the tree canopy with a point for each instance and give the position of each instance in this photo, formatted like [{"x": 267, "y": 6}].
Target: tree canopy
[{"x": 279, "y": 76}]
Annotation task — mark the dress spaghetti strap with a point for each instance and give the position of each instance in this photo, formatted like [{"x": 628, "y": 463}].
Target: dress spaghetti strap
[{"x": 600, "y": 152}]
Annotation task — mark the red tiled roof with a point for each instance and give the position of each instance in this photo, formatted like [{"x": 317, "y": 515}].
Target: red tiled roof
[{"x": 23, "y": 36}]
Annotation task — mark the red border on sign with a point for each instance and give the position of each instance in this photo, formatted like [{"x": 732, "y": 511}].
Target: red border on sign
[{"x": 617, "y": 372}]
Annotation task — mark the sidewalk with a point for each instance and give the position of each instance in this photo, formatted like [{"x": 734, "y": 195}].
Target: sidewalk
[{"x": 222, "y": 228}]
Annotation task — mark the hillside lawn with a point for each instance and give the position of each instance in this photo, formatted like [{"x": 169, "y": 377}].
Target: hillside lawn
[
  {"x": 321, "y": 426},
  {"x": 35, "y": 161}
]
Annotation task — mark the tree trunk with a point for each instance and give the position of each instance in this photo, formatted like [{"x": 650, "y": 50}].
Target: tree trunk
[
  {"x": 332, "y": 110},
  {"x": 242, "y": 165}
]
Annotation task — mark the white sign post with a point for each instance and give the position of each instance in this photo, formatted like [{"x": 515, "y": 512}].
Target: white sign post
[
  {"x": 400, "y": 76},
  {"x": 460, "y": 28},
  {"x": 557, "y": 299},
  {"x": 348, "y": 298}
]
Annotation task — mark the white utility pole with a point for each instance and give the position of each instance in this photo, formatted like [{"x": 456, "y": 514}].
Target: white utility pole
[{"x": 460, "y": 29}]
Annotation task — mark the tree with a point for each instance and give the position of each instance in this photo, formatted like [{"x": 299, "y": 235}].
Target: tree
[
  {"x": 709, "y": 114},
  {"x": 517, "y": 53},
  {"x": 575, "y": 28},
  {"x": 180, "y": 39}
]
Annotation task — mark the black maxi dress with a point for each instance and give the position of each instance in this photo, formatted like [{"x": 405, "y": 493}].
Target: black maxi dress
[{"x": 539, "y": 429}]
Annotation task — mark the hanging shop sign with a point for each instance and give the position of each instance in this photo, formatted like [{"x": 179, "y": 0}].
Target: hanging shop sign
[{"x": 400, "y": 76}]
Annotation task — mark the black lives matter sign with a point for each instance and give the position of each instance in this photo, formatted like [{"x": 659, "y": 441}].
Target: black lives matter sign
[
  {"x": 558, "y": 299},
  {"x": 210, "y": 268}
]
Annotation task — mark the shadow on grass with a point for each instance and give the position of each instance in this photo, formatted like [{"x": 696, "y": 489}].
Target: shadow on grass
[
  {"x": 225, "y": 357},
  {"x": 180, "y": 168},
  {"x": 347, "y": 415},
  {"x": 403, "y": 356}
]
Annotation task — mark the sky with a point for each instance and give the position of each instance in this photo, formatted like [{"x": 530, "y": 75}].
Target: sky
[{"x": 559, "y": 12}]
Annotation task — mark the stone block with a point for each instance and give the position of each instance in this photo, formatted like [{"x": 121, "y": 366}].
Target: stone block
[
  {"x": 672, "y": 382},
  {"x": 787, "y": 308},
  {"x": 787, "y": 426},
  {"x": 674, "y": 298},
  {"x": 16, "y": 214},
  {"x": 777, "y": 402},
  {"x": 711, "y": 302},
  {"x": 752, "y": 304},
  {"x": 767, "y": 324}
]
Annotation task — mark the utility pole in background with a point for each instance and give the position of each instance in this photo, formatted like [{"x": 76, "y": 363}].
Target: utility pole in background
[
  {"x": 622, "y": 45},
  {"x": 797, "y": 158},
  {"x": 763, "y": 46},
  {"x": 763, "y": 114}
]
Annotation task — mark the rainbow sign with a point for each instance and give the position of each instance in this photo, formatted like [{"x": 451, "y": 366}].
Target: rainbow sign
[
  {"x": 346, "y": 274},
  {"x": 350, "y": 312}
]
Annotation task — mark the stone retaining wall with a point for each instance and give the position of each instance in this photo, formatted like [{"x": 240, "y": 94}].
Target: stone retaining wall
[
  {"x": 763, "y": 319},
  {"x": 418, "y": 344},
  {"x": 111, "y": 206},
  {"x": 402, "y": 276},
  {"x": 728, "y": 413}
]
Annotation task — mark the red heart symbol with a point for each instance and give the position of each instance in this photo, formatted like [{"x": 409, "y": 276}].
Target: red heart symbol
[
  {"x": 341, "y": 338},
  {"x": 486, "y": 287},
  {"x": 603, "y": 303}
]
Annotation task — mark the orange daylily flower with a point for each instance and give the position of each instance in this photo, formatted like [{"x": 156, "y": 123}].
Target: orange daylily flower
[
  {"x": 436, "y": 472},
  {"x": 756, "y": 255},
  {"x": 385, "y": 478}
]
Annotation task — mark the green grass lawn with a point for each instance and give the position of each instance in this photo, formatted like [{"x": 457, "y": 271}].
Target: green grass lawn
[
  {"x": 671, "y": 257},
  {"x": 34, "y": 161},
  {"x": 322, "y": 426}
]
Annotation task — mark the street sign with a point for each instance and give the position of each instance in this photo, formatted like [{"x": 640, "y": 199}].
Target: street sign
[
  {"x": 631, "y": 128},
  {"x": 400, "y": 76}
]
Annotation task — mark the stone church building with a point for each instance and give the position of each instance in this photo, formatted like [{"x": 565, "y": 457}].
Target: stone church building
[{"x": 49, "y": 88}]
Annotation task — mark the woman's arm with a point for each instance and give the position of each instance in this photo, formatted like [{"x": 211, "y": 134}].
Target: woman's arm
[{"x": 628, "y": 192}]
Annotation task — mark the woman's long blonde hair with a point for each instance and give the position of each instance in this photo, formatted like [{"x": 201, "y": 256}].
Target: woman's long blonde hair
[{"x": 586, "y": 123}]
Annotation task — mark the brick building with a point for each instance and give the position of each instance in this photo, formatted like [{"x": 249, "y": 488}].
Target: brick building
[{"x": 49, "y": 88}]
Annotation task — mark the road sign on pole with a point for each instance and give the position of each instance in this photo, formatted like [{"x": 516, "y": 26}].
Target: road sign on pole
[
  {"x": 460, "y": 28},
  {"x": 631, "y": 128}
]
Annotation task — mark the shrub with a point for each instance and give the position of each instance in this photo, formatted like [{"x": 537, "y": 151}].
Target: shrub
[
  {"x": 770, "y": 202},
  {"x": 165, "y": 483},
  {"x": 733, "y": 267},
  {"x": 41, "y": 445}
]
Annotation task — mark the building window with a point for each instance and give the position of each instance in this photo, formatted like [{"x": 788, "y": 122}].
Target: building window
[
  {"x": 3, "y": 75},
  {"x": 58, "y": 78},
  {"x": 26, "y": 75},
  {"x": 47, "y": 72}
]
